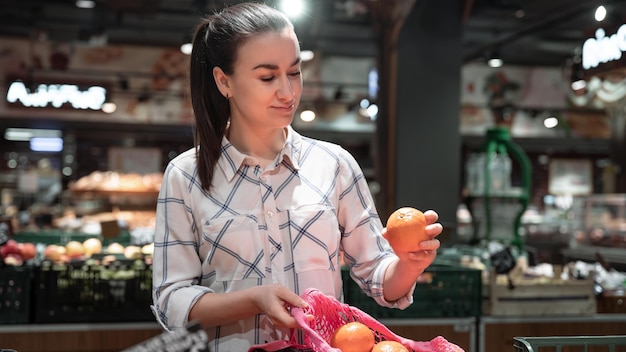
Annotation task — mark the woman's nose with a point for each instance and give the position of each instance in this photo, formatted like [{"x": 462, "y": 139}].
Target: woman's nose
[{"x": 285, "y": 89}]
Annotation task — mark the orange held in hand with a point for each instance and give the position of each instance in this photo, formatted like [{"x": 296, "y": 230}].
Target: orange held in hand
[
  {"x": 389, "y": 346},
  {"x": 353, "y": 337},
  {"x": 406, "y": 228}
]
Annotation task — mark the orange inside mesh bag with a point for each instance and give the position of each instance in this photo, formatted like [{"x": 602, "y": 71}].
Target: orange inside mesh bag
[{"x": 330, "y": 314}]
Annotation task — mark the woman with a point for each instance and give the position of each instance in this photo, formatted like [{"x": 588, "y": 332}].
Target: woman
[{"x": 256, "y": 213}]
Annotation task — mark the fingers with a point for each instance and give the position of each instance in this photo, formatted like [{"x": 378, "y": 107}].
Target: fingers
[
  {"x": 277, "y": 304},
  {"x": 281, "y": 318},
  {"x": 434, "y": 230},
  {"x": 431, "y": 216}
]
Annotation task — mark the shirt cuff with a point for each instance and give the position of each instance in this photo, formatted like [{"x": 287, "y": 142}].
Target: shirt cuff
[
  {"x": 377, "y": 288},
  {"x": 179, "y": 305}
]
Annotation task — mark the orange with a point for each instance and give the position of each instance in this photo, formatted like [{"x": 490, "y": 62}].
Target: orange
[
  {"x": 406, "y": 228},
  {"x": 389, "y": 346},
  {"x": 353, "y": 337}
]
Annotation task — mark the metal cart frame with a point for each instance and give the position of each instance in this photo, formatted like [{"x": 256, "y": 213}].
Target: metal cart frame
[{"x": 532, "y": 344}]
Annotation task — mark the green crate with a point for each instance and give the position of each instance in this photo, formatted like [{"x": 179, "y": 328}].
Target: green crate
[
  {"x": 442, "y": 291},
  {"x": 50, "y": 237},
  {"x": 558, "y": 343},
  {"x": 61, "y": 237},
  {"x": 15, "y": 287},
  {"x": 82, "y": 292}
]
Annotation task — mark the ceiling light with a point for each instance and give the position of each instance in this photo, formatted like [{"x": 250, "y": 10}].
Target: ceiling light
[
  {"x": 307, "y": 115},
  {"x": 186, "y": 48},
  {"x": 495, "y": 62},
  {"x": 85, "y": 4},
  {"x": 44, "y": 144},
  {"x": 579, "y": 85},
  {"x": 292, "y": 8},
  {"x": 551, "y": 122},
  {"x": 307, "y": 55},
  {"x": 600, "y": 14},
  {"x": 25, "y": 134},
  {"x": 109, "y": 107}
]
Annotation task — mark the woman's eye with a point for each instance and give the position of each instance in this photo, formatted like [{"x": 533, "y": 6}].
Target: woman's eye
[
  {"x": 295, "y": 74},
  {"x": 267, "y": 79}
]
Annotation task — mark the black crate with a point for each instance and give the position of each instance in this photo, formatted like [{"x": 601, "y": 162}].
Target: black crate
[
  {"x": 82, "y": 292},
  {"x": 15, "y": 289},
  {"x": 442, "y": 291}
]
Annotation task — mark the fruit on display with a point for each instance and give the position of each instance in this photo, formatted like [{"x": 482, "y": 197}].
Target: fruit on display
[
  {"x": 13, "y": 259},
  {"x": 55, "y": 252},
  {"x": 28, "y": 250},
  {"x": 389, "y": 346},
  {"x": 10, "y": 247},
  {"x": 353, "y": 337},
  {"x": 92, "y": 246},
  {"x": 132, "y": 252},
  {"x": 115, "y": 248},
  {"x": 147, "y": 249},
  {"x": 406, "y": 228},
  {"x": 74, "y": 249},
  {"x": 11, "y": 253}
]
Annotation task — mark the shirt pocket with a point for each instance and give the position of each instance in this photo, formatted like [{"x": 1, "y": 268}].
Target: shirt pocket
[
  {"x": 233, "y": 248},
  {"x": 315, "y": 236}
]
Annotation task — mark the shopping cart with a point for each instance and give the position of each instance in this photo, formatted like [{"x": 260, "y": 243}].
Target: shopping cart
[{"x": 556, "y": 343}]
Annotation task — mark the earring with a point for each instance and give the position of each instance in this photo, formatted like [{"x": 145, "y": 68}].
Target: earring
[{"x": 227, "y": 96}]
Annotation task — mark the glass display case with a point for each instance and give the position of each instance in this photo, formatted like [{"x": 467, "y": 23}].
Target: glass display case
[{"x": 599, "y": 229}]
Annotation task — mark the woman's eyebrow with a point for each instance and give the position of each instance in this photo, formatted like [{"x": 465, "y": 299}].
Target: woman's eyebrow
[{"x": 275, "y": 67}]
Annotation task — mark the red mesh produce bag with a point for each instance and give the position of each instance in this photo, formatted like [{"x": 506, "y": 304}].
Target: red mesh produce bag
[{"x": 329, "y": 314}]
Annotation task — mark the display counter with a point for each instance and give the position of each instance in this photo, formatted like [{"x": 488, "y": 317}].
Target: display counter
[
  {"x": 86, "y": 337},
  {"x": 484, "y": 334},
  {"x": 497, "y": 333}
]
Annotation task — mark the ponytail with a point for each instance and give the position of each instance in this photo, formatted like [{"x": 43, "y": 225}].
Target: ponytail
[{"x": 211, "y": 109}]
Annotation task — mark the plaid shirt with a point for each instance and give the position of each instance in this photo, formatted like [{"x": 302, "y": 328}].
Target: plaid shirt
[{"x": 285, "y": 224}]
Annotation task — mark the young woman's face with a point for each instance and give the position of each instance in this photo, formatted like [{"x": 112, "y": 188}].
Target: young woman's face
[{"x": 266, "y": 83}]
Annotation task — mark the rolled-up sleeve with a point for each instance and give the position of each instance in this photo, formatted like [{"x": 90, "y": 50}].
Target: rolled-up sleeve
[
  {"x": 177, "y": 267},
  {"x": 366, "y": 251}
]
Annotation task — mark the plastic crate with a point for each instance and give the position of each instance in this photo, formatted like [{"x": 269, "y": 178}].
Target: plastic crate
[
  {"x": 15, "y": 288},
  {"x": 442, "y": 291},
  {"x": 570, "y": 343},
  {"x": 61, "y": 237},
  {"x": 80, "y": 292}
]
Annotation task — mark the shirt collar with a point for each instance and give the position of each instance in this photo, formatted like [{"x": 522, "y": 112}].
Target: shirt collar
[{"x": 233, "y": 160}]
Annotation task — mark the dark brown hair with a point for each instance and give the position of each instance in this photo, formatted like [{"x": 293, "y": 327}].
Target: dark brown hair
[{"x": 216, "y": 41}]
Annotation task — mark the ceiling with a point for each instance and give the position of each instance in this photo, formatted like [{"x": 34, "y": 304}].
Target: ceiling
[{"x": 522, "y": 32}]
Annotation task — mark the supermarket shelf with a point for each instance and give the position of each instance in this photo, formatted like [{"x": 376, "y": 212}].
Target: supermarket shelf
[{"x": 615, "y": 256}]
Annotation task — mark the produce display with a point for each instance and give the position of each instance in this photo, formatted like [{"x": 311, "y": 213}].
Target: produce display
[
  {"x": 15, "y": 254},
  {"x": 83, "y": 280},
  {"x": 116, "y": 181}
]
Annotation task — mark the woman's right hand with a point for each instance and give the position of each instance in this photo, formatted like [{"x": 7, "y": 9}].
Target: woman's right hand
[{"x": 275, "y": 300}]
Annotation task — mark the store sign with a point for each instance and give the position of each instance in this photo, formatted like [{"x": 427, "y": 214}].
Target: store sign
[
  {"x": 603, "y": 49},
  {"x": 46, "y": 95}
]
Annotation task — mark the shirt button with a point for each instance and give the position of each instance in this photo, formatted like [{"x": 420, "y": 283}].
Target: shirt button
[
  {"x": 269, "y": 213},
  {"x": 263, "y": 179}
]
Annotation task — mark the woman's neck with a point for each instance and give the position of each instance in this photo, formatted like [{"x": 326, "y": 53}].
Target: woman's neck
[{"x": 264, "y": 144}]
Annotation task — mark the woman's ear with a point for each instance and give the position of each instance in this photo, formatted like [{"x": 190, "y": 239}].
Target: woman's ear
[{"x": 222, "y": 81}]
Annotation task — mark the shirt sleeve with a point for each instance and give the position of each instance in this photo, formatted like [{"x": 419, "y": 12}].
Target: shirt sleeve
[
  {"x": 176, "y": 266},
  {"x": 366, "y": 251}
]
